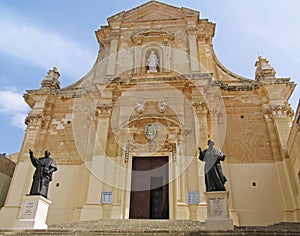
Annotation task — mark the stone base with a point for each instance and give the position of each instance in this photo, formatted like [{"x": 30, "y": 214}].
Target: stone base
[
  {"x": 217, "y": 211},
  {"x": 219, "y": 224},
  {"x": 33, "y": 213}
]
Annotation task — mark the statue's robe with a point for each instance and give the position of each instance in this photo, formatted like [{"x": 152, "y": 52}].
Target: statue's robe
[
  {"x": 214, "y": 177},
  {"x": 45, "y": 166}
]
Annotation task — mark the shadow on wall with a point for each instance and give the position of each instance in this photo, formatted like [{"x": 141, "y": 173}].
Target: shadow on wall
[{"x": 7, "y": 168}]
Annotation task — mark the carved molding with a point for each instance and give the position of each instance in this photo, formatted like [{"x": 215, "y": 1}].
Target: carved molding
[
  {"x": 238, "y": 87},
  {"x": 126, "y": 153},
  {"x": 152, "y": 35},
  {"x": 246, "y": 87}
]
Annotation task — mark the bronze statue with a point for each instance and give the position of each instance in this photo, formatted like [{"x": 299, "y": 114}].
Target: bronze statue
[
  {"x": 45, "y": 166},
  {"x": 214, "y": 177}
]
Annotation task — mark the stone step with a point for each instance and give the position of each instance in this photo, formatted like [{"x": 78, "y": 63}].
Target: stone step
[
  {"x": 153, "y": 228},
  {"x": 153, "y": 225}
]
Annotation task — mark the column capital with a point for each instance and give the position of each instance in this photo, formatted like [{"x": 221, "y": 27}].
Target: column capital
[{"x": 103, "y": 110}]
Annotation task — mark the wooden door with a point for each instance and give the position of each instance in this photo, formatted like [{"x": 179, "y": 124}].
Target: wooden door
[{"x": 149, "y": 198}]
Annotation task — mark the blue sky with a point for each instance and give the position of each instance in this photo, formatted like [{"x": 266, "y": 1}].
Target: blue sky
[{"x": 37, "y": 35}]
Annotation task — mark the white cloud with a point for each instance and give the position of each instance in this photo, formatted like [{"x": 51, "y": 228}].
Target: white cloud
[
  {"x": 41, "y": 47},
  {"x": 13, "y": 105}
]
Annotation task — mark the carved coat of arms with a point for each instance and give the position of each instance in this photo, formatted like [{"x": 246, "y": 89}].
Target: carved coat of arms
[{"x": 150, "y": 131}]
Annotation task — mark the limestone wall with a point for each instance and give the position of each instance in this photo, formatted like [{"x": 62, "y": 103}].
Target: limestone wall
[{"x": 294, "y": 158}]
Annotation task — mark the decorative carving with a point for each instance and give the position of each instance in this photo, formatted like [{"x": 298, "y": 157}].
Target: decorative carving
[
  {"x": 205, "y": 37},
  {"x": 161, "y": 105},
  {"x": 150, "y": 131},
  {"x": 238, "y": 87},
  {"x": 126, "y": 153},
  {"x": 246, "y": 87},
  {"x": 152, "y": 35},
  {"x": 191, "y": 31},
  {"x": 103, "y": 110},
  {"x": 34, "y": 120},
  {"x": 174, "y": 152},
  {"x": 199, "y": 106},
  {"x": 277, "y": 111},
  {"x": 140, "y": 106}
]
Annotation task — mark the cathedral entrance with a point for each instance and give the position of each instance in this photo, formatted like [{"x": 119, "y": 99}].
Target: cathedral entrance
[{"x": 149, "y": 198}]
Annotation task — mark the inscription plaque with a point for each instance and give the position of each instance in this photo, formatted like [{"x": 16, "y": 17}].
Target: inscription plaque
[
  {"x": 193, "y": 197},
  {"x": 217, "y": 206},
  {"x": 106, "y": 198},
  {"x": 29, "y": 210}
]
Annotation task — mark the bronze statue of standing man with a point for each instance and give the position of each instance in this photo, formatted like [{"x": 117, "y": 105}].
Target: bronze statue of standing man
[
  {"x": 214, "y": 177},
  {"x": 44, "y": 167}
]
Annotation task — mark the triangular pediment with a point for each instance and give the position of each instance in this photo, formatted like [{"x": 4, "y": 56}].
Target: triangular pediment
[{"x": 153, "y": 10}]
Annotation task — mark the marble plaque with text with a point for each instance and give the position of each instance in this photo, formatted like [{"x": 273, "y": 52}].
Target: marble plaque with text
[{"x": 217, "y": 206}]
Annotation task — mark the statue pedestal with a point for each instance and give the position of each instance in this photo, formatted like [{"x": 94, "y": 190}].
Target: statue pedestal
[
  {"x": 217, "y": 211},
  {"x": 33, "y": 213}
]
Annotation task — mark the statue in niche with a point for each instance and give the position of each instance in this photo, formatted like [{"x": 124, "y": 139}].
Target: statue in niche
[
  {"x": 44, "y": 167},
  {"x": 214, "y": 177},
  {"x": 152, "y": 63}
]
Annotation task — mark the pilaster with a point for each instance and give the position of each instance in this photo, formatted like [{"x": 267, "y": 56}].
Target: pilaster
[
  {"x": 111, "y": 67},
  {"x": 193, "y": 50},
  {"x": 98, "y": 166}
]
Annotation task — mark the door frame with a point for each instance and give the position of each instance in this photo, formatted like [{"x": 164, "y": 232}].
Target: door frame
[{"x": 172, "y": 200}]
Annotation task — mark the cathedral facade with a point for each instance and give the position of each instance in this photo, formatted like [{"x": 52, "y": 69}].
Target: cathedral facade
[{"x": 125, "y": 137}]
